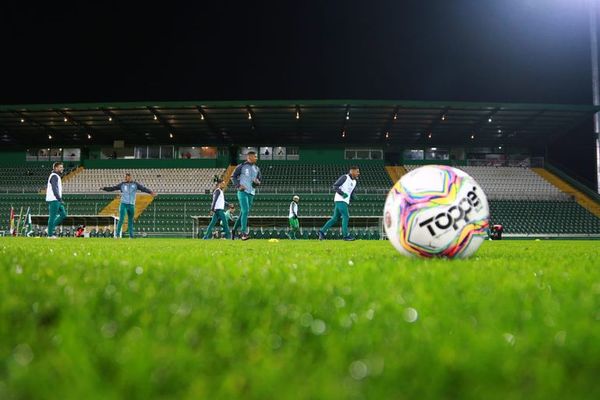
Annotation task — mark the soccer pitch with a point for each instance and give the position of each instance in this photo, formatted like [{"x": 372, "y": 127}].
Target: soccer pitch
[{"x": 178, "y": 318}]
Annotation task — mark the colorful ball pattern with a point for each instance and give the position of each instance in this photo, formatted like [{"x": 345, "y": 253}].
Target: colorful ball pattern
[{"x": 436, "y": 211}]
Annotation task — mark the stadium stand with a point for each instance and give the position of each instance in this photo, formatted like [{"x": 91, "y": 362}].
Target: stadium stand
[
  {"x": 161, "y": 180},
  {"x": 29, "y": 179},
  {"x": 171, "y": 213},
  {"x": 318, "y": 178},
  {"x": 543, "y": 217},
  {"x": 315, "y": 205},
  {"x": 511, "y": 183},
  {"x": 74, "y": 204}
]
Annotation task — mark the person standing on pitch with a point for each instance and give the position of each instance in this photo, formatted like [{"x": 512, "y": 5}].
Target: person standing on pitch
[
  {"x": 128, "y": 190},
  {"x": 245, "y": 178},
  {"x": 293, "y": 216},
  {"x": 56, "y": 206},
  {"x": 344, "y": 192},
  {"x": 229, "y": 215},
  {"x": 217, "y": 210}
]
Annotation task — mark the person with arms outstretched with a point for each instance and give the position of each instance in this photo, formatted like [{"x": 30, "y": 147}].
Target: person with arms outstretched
[{"x": 128, "y": 190}]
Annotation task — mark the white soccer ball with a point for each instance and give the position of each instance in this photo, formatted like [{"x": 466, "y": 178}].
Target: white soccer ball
[{"x": 436, "y": 211}]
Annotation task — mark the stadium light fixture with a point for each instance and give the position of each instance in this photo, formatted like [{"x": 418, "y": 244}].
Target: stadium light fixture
[{"x": 593, "y": 12}]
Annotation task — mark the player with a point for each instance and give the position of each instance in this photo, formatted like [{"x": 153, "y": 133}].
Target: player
[
  {"x": 56, "y": 205},
  {"x": 128, "y": 190},
  {"x": 217, "y": 209},
  {"x": 230, "y": 215},
  {"x": 246, "y": 178},
  {"x": 344, "y": 192},
  {"x": 293, "y": 217}
]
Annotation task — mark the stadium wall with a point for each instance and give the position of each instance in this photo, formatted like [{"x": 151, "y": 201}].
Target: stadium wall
[
  {"x": 174, "y": 163},
  {"x": 18, "y": 159},
  {"x": 91, "y": 159},
  {"x": 436, "y": 162},
  {"x": 12, "y": 158},
  {"x": 321, "y": 156}
]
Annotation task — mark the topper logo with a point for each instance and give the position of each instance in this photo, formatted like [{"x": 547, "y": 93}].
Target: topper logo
[{"x": 455, "y": 214}]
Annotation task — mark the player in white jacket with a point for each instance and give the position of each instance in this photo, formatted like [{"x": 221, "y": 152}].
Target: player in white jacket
[
  {"x": 344, "y": 192},
  {"x": 217, "y": 210},
  {"x": 56, "y": 207}
]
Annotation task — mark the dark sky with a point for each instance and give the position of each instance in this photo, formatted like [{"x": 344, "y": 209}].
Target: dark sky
[{"x": 472, "y": 50}]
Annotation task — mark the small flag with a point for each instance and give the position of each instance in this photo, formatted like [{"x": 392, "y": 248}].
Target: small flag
[
  {"x": 19, "y": 220},
  {"x": 12, "y": 221}
]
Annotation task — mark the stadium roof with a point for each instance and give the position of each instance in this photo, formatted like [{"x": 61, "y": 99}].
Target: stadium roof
[{"x": 357, "y": 122}]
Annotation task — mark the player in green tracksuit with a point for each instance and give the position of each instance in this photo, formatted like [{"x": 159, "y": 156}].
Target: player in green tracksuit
[
  {"x": 293, "y": 218},
  {"x": 344, "y": 192},
  {"x": 56, "y": 207},
  {"x": 217, "y": 207},
  {"x": 229, "y": 215},
  {"x": 245, "y": 178}
]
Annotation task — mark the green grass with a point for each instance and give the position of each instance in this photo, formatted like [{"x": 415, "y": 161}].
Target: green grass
[{"x": 159, "y": 318}]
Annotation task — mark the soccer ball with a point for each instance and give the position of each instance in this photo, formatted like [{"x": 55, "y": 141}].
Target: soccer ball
[{"x": 436, "y": 211}]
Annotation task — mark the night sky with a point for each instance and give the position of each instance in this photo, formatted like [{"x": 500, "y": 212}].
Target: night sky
[
  {"x": 474, "y": 50},
  {"x": 454, "y": 50}
]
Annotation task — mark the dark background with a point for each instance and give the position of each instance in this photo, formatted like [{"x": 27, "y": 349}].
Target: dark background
[{"x": 459, "y": 50}]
